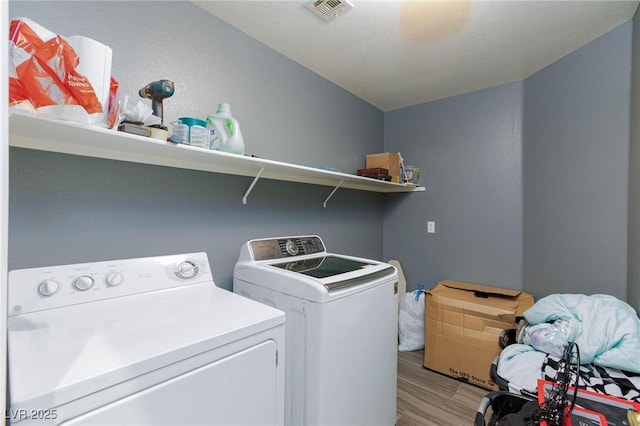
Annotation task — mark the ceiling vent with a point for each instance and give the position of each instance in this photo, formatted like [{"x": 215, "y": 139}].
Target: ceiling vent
[{"x": 328, "y": 9}]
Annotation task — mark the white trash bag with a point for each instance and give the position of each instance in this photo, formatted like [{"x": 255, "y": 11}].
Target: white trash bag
[{"x": 411, "y": 321}]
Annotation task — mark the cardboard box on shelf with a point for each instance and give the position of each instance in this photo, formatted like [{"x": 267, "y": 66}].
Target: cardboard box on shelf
[
  {"x": 463, "y": 322},
  {"x": 385, "y": 160}
]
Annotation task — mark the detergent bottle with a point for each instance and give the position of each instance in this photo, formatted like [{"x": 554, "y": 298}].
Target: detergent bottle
[{"x": 225, "y": 135}]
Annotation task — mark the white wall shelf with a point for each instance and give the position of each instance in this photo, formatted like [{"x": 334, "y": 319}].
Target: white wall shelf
[{"x": 49, "y": 135}]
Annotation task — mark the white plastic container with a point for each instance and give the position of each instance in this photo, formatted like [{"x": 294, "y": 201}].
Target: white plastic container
[
  {"x": 226, "y": 136},
  {"x": 191, "y": 131},
  {"x": 199, "y": 136}
]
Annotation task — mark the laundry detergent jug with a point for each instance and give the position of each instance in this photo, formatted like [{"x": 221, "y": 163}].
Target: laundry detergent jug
[{"x": 225, "y": 131}]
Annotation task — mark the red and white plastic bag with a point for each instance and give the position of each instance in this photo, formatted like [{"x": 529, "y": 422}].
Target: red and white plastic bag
[{"x": 60, "y": 78}]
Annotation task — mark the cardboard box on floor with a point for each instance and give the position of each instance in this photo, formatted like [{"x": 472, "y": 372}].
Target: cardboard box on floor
[{"x": 463, "y": 322}]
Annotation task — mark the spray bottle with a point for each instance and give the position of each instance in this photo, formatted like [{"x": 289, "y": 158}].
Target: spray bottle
[{"x": 226, "y": 135}]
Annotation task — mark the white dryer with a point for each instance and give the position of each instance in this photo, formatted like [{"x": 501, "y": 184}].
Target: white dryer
[
  {"x": 148, "y": 341},
  {"x": 342, "y": 328}
]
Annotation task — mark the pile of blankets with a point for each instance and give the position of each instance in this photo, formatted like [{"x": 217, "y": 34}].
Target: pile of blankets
[{"x": 606, "y": 331}]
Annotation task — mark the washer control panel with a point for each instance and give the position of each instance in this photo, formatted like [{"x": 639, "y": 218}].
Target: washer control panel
[
  {"x": 278, "y": 248},
  {"x": 37, "y": 289}
]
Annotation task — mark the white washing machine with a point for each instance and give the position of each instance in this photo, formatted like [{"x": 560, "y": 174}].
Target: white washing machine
[
  {"x": 342, "y": 323},
  {"x": 148, "y": 341}
]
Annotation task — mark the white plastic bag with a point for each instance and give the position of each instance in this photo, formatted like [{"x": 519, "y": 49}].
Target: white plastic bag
[
  {"x": 411, "y": 321},
  {"x": 551, "y": 338}
]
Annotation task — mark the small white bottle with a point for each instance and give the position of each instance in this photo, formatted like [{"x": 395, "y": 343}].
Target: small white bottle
[{"x": 226, "y": 135}]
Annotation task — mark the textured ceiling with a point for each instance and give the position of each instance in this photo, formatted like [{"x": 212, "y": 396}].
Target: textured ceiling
[{"x": 395, "y": 54}]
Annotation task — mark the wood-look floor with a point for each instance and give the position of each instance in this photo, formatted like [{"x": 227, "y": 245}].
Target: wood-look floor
[{"x": 428, "y": 398}]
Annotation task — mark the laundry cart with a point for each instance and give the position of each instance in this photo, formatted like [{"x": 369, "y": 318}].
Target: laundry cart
[
  {"x": 606, "y": 330},
  {"x": 341, "y": 328},
  {"x": 581, "y": 407},
  {"x": 574, "y": 344}
]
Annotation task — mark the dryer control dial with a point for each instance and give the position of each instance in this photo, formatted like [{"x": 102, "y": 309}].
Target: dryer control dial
[
  {"x": 83, "y": 283},
  {"x": 113, "y": 279},
  {"x": 48, "y": 288},
  {"x": 187, "y": 270}
]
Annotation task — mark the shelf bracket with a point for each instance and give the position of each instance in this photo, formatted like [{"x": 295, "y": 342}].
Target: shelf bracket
[
  {"x": 255, "y": 180},
  {"x": 333, "y": 192}
]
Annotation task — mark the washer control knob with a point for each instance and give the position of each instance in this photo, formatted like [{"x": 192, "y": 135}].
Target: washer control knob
[
  {"x": 187, "y": 270},
  {"x": 48, "y": 288},
  {"x": 113, "y": 279},
  {"x": 291, "y": 247},
  {"x": 83, "y": 283}
]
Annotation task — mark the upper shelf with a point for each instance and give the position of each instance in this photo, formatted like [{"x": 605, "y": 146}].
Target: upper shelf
[{"x": 49, "y": 135}]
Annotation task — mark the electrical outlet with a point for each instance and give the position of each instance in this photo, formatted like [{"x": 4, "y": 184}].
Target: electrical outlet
[{"x": 431, "y": 227}]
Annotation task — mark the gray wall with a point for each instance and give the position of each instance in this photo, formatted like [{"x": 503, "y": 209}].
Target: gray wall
[
  {"x": 633, "y": 286},
  {"x": 527, "y": 182},
  {"x": 469, "y": 149},
  {"x": 575, "y": 170},
  {"x": 66, "y": 209}
]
